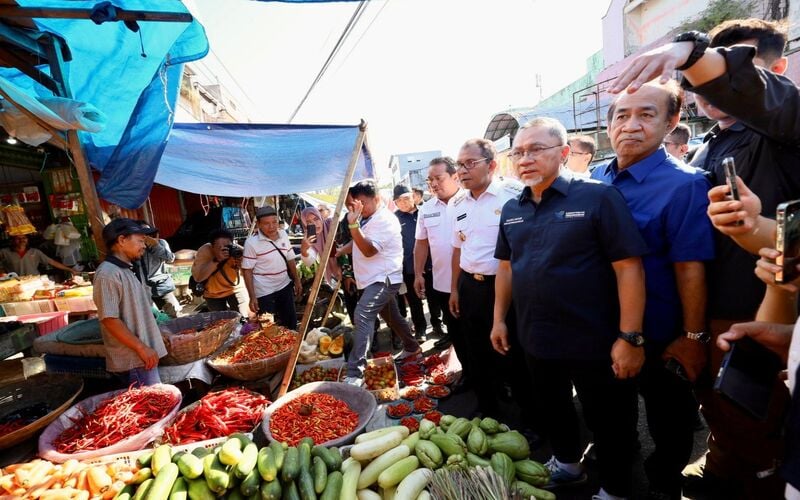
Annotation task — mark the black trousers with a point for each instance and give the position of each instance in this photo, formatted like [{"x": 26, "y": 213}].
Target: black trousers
[
  {"x": 476, "y": 305},
  {"x": 609, "y": 409},
  {"x": 671, "y": 411},
  {"x": 281, "y": 304},
  {"x": 228, "y": 303},
  {"x": 441, "y": 300},
  {"x": 434, "y": 307},
  {"x": 415, "y": 304}
]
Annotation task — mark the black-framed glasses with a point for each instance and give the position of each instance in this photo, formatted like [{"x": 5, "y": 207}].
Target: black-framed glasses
[
  {"x": 578, "y": 153},
  {"x": 470, "y": 164},
  {"x": 533, "y": 152}
]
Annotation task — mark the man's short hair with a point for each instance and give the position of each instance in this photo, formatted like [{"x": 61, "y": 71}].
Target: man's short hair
[
  {"x": 485, "y": 146},
  {"x": 553, "y": 127},
  {"x": 681, "y": 134},
  {"x": 449, "y": 163},
  {"x": 585, "y": 142},
  {"x": 364, "y": 188},
  {"x": 418, "y": 191},
  {"x": 216, "y": 234},
  {"x": 674, "y": 99},
  {"x": 770, "y": 36}
]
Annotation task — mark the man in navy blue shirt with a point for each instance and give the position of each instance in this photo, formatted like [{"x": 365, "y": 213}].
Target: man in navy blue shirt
[
  {"x": 668, "y": 201},
  {"x": 407, "y": 215},
  {"x": 561, "y": 238}
]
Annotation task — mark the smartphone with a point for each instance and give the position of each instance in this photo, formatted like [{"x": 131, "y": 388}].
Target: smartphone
[
  {"x": 311, "y": 230},
  {"x": 674, "y": 366},
  {"x": 729, "y": 165},
  {"x": 747, "y": 376},
  {"x": 787, "y": 241}
]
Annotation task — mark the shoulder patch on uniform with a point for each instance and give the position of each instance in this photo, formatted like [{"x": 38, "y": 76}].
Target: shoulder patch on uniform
[
  {"x": 513, "y": 186},
  {"x": 459, "y": 198}
]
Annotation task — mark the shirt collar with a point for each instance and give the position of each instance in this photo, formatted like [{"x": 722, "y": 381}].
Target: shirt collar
[
  {"x": 264, "y": 237},
  {"x": 493, "y": 189},
  {"x": 560, "y": 185},
  {"x": 642, "y": 168},
  {"x": 119, "y": 263}
]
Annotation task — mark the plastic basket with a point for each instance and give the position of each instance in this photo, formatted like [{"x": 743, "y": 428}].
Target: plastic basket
[
  {"x": 75, "y": 365},
  {"x": 187, "y": 348},
  {"x": 388, "y": 393},
  {"x": 252, "y": 370}
]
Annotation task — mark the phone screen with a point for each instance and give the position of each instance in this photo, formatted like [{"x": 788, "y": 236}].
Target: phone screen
[
  {"x": 747, "y": 376},
  {"x": 730, "y": 176},
  {"x": 788, "y": 241},
  {"x": 311, "y": 230}
]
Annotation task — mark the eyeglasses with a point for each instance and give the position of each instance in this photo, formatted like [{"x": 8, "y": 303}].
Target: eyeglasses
[
  {"x": 578, "y": 153},
  {"x": 470, "y": 164},
  {"x": 534, "y": 152}
]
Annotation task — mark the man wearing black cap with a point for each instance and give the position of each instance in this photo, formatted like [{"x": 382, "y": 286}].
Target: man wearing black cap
[
  {"x": 407, "y": 215},
  {"x": 270, "y": 272},
  {"x": 153, "y": 263},
  {"x": 130, "y": 334}
]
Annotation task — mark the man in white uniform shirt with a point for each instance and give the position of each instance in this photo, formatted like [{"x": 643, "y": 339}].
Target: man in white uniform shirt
[
  {"x": 378, "y": 267},
  {"x": 434, "y": 237},
  {"x": 269, "y": 269},
  {"x": 476, "y": 219}
]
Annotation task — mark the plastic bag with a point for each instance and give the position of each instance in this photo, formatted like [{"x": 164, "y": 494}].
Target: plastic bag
[{"x": 131, "y": 443}]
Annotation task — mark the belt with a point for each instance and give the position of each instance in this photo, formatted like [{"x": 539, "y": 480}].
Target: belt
[{"x": 478, "y": 276}]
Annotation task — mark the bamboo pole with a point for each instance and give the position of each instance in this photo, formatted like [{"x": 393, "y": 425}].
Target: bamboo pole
[
  {"x": 323, "y": 259},
  {"x": 329, "y": 309}
]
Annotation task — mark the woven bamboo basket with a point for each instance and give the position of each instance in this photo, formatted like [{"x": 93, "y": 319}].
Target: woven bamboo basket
[
  {"x": 252, "y": 370},
  {"x": 189, "y": 347},
  {"x": 58, "y": 392}
]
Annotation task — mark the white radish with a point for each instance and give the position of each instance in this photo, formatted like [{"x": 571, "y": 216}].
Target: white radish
[{"x": 413, "y": 484}]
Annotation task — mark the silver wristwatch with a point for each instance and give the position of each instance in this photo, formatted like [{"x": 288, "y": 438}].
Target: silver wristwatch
[{"x": 703, "y": 337}]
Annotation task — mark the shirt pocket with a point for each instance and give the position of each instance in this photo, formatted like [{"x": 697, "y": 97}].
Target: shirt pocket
[{"x": 433, "y": 221}]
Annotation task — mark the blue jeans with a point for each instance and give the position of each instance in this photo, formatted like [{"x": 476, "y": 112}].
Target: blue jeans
[
  {"x": 142, "y": 376},
  {"x": 376, "y": 299}
]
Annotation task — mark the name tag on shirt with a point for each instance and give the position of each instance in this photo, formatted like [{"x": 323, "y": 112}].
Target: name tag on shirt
[
  {"x": 575, "y": 215},
  {"x": 461, "y": 217},
  {"x": 513, "y": 220},
  {"x": 435, "y": 214}
]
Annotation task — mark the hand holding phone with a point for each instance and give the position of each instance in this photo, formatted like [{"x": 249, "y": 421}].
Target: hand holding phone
[
  {"x": 311, "y": 230},
  {"x": 787, "y": 241},
  {"x": 747, "y": 376},
  {"x": 729, "y": 165}
]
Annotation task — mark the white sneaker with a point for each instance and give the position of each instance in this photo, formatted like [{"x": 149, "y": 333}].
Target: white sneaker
[{"x": 356, "y": 381}]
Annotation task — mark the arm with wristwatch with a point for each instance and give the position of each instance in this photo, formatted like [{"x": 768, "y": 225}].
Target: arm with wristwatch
[{"x": 353, "y": 223}]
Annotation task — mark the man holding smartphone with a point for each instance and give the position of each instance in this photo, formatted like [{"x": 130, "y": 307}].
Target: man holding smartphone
[{"x": 668, "y": 201}]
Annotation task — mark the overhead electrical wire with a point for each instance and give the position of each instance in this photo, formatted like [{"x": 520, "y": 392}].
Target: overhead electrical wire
[
  {"x": 339, "y": 43},
  {"x": 355, "y": 45}
]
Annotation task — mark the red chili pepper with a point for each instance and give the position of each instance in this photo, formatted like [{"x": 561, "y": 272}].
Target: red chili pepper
[
  {"x": 327, "y": 418},
  {"x": 410, "y": 422}
]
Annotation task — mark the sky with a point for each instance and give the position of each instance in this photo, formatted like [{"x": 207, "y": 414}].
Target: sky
[{"x": 424, "y": 74}]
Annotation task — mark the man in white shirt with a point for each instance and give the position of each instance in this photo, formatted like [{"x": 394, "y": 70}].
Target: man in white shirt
[
  {"x": 378, "y": 267},
  {"x": 476, "y": 219},
  {"x": 269, "y": 269},
  {"x": 434, "y": 237}
]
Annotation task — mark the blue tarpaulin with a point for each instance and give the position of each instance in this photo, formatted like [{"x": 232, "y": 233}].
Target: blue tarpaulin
[
  {"x": 137, "y": 93},
  {"x": 236, "y": 159}
]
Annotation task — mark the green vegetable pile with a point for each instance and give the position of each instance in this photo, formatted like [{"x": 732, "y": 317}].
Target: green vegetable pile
[{"x": 239, "y": 470}]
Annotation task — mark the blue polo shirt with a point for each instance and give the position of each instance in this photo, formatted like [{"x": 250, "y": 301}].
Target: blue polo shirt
[
  {"x": 561, "y": 250},
  {"x": 668, "y": 200}
]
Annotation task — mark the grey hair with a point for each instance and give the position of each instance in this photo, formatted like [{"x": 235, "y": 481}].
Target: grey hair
[{"x": 553, "y": 127}]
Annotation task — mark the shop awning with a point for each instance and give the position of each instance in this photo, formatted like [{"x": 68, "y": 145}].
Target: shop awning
[
  {"x": 132, "y": 77},
  {"x": 236, "y": 159}
]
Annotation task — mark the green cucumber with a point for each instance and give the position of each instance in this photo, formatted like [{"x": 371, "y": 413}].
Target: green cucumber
[
  {"x": 306, "y": 486},
  {"x": 177, "y": 456},
  {"x": 304, "y": 452},
  {"x": 331, "y": 457},
  {"x": 161, "y": 457},
  {"x": 217, "y": 477},
  {"x": 126, "y": 493},
  {"x": 308, "y": 441},
  {"x": 235, "y": 495},
  {"x": 320, "y": 475},
  {"x": 180, "y": 490},
  {"x": 271, "y": 490},
  {"x": 248, "y": 461},
  {"x": 278, "y": 452},
  {"x": 290, "y": 491},
  {"x": 143, "y": 489},
  {"x": 142, "y": 475},
  {"x": 190, "y": 466},
  {"x": 162, "y": 484},
  {"x": 334, "y": 486},
  {"x": 200, "y": 452},
  {"x": 144, "y": 459},
  {"x": 250, "y": 483},
  {"x": 231, "y": 452},
  {"x": 266, "y": 464},
  {"x": 199, "y": 490},
  {"x": 291, "y": 464}
]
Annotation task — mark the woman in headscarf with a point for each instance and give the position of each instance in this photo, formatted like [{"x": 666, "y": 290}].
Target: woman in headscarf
[{"x": 312, "y": 246}]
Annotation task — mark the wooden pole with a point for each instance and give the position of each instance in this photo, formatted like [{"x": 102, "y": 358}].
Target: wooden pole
[
  {"x": 323, "y": 259},
  {"x": 87, "y": 187},
  {"x": 332, "y": 303}
]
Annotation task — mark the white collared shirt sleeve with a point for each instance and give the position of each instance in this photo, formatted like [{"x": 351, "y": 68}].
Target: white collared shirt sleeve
[{"x": 249, "y": 255}]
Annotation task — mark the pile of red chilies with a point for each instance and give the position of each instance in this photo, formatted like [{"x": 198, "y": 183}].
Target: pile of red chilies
[
  {"x": 12, "y": 426},
  {"x": 217, "y": 414},
  {"x": 257, "y": 346},
  {"x": 115, "y": 419}
]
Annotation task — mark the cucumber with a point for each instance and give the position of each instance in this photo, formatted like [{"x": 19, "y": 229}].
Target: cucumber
[
  {"x": 231, "y": 452},
  {"x": 352, "y": 471},
  {"x": 320, "y": 475},
  {"x": 161, "y": 457},
  {"x": 190, "y": 466},
  {"x": 290, "y": 491},
  {"x": 266, "y": 464},
  {"x": 248, "y": 461},
  {"x": 307, "y": 440},
  {"x": 180, "y": 490},
  {"x": 271, "y": 490},
  {"x": 143, "y": 489},
  {"x": 291, "y": 465},
  {"x": 200, "y": 452},
  {"x": 162, "y": 484},
  {"x": 333, "y": 488},
  {"x": 177, "y": 456},
  {"x": 398, "y": 471},
  {"x": 304, "y": 451},
  {"x": 199, "y": 490},
  {"x": 126, "y": 493},
  {"x": 144, "y": 459},
  {"x": 242, "y": 438},
  {"x": 216, "y": 476},
  {"x": 235, "y": 495},
  {"x": 142, "y": 475},
  {"x": 306, "y": 485},
  {"x": 250, "y": 483},
  {"x": 331, "y": 457},
  {"x": 278, "y": 452}
]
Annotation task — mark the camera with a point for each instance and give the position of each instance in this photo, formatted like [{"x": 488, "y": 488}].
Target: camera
[{"x": 235, "y": 251}]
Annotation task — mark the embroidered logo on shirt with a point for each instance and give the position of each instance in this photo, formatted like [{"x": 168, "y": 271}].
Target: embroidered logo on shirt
[{"x": 514, "y": 220}]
